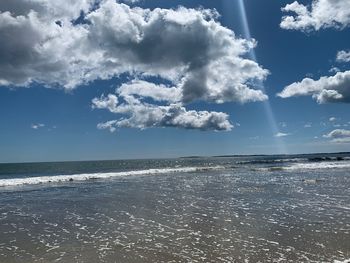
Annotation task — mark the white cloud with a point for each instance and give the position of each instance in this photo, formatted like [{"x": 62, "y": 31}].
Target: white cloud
[
  {"x": 281, "y": 134},
  {"x": 143, "y": 115},
  {"x": 36, "y": 49},
  {"x": 146, "y": 89},
  {"x": 110, "y": 102},
  {"x": 110, "y": 125},
  {"x": 321, "y": 14},
  {"x": 130, "y": 1},
  {"x": 324, "y": 90},
  {"x": 338, "y": 133},
  {"x": 129, "y": 100},
  {"x": 343, "y": 56},
  {"x": 64, "y": 10},
  {"x": 332, "y": 119},
  {"x": 172, "y": 56},
  {"x": 185, "y": 47},
  {"x": 334, "y": 70},
  {"x": 339, "y": 136},
  {"x": 37, "y": 126},
  {"x": 308, "y": 125}
]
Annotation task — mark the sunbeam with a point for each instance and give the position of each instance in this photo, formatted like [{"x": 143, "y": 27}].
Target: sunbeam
[{"x": 267, "y": 106}]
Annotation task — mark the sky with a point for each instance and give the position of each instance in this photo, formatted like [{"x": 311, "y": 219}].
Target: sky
[{"x": 93, "y": 80}]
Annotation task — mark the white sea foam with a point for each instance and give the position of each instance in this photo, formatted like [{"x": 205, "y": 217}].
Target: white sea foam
[
  {"x": 342, "y": 261},
  {"x": 92, "y": 176},
  {"x": 308, "y": 166},
  {"x": 319, "y": 165}
]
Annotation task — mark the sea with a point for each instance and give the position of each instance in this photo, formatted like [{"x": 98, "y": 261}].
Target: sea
[{"x": 281, "y": 208}]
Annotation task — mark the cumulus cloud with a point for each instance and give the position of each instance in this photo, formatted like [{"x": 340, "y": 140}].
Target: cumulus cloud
[
  {"x": 146, "y": 89},
  {"x": 187, "y": 47},
  {"x": 281, "y": 134},
  {"x": 321, "y": 14},
  {"x": 343, "y": 56},
  {"x": 144, "y": 115},
  {"x": 339, "y": 136},
  {"x": 60, "y": 9},
  {"x": 39, "y": 42},
  {"x": 172, "y": 56},
  {"x": 324, "y": 90},
  {"x": 332, "y": 119}
]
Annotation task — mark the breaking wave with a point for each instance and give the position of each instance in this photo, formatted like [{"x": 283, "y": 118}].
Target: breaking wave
[
  {"x": 317, "y": 165},
  {"x": 309, "y": 166},
  {"x": 95, "y": 176}
]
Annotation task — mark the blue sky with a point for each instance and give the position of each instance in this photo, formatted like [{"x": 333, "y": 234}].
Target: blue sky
[{"x": 43, "y": 120}]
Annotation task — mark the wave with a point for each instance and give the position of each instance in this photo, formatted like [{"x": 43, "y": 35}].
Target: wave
[
  {"x": 272, "y": 161},
  {"x": 95, "y": 176},
  {"x": 317, "y": 159},
  {"x": 308, "y": 166},
  {"x": 327, "y": 158},
  {"x": 317, "y": 165},
  {"x": 342, "y": 261}
]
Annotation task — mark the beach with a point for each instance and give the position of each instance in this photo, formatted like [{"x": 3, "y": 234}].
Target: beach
[{"x": 223, "y": 209}]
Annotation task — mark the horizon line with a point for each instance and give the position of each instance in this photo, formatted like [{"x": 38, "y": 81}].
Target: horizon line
[{"x": 178, "y": 157}]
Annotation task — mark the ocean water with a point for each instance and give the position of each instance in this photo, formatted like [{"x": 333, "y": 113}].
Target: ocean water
[{"x": 221, "y": 209}]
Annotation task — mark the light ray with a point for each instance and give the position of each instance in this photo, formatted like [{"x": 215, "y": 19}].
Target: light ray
[{"x": 267, "y": 106}]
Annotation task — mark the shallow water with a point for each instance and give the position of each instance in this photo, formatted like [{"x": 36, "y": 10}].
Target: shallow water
[{"x": 238, "y": 211}]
